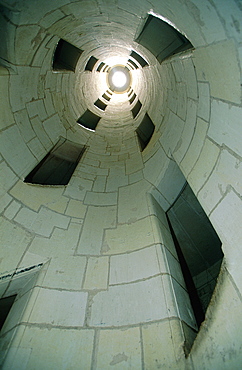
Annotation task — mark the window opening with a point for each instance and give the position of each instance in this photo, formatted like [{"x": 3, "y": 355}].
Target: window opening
[
  {"x": 139, "y": 59},
  {"x": 161, "y": 39},
  {"x": 66, "y": 56},
  {"x": 89, "y": 120},
  {"x": 130, "y": 65},
  {"x": 91, "y": 63},
  {"x": 131, "y": 100},
  {"x": 106, "y": 97},
  {"x": 145, "y": 131},
  {"x": 105, "y": 68},
  {"x": 101, "y": 105},
  {"x": 133, "y": 64},
  {"x": 100, "y": 66},
  {"x": 57, "y": 167},
  {"x": 198, "y": 248},
  {"x": 130, "y": 93},
  {"x": 136, "y": 109},
  {"x": 5, "y": 307}
]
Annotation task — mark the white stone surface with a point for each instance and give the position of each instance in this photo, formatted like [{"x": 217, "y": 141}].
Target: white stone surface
[
  {"x": 13, "y": 244},
  {"x": 97, "y": 273},
  {"x": 128, "y": 267},
  {"x": 60, "y": 348},
  {"x": 129, "y": 237},
  {"x": 129, "y": 304},
  {"x": 59, "y": 308},
  {"x": 218, "y": 65},
  {"x": 225, "y": 126},
  {"x": 97, "y": 220},
  {"x": 132, "y": 202},
  {"x": 43, "y": 222},
  {"x": 101, "y": 199},
  {"x": 120, "y": 349}
]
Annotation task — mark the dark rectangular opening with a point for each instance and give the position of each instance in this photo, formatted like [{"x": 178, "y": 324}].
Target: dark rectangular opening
[
  {"x": 100, "y": 66},
  {"x": 139, "y": 59},
  {"x": 136, "y": 109},
  {"x": 106, "y": 97},
  {"x": 145, "y": 131},
  {"x": 130, "y": 93},
  {"x": 57, "y": 167},
  {"x": 91, "y": 63},
  {"x": 66, "y": 56},
  {"x": 131, "y": 100},
  {"x": 105, "y": 68},
  {"x": 161, "y": 39},
  {"x": 101, "y": 105},
  {"x": 133, "y": 64},
  {"x": 89, "y": 120},
  {"x": 5, "y": 307},
  {"x": 130, "y": 65},
  {"x": 198, "y": 248}
]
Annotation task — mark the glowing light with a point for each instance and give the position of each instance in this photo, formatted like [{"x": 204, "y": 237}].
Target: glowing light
[{"x": 119, "y": 79}]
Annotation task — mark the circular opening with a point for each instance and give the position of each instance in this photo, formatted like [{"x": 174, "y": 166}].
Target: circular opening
[{"x": 119, "y": 79}]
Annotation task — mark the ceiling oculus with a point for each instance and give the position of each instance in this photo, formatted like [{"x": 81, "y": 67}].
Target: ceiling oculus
[{"x": 119, "y": 79}]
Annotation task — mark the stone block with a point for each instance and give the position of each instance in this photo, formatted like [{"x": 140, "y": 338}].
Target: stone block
[
  {"x": 20, "y": 158},
  {"x": 65, "y": 273},
  {"x": 5, "y": 199},
  {"x": 134, "y": 163},
  {"x": 54, "y": 128},
  {"x": 76, "y": 209},
  {"x": 99, "y": 184},
  {"x": 190, "y": 78},
  {"x": 229, "y": 213},
  {"x": 62, "y": 243},
  {"x": 101, "y": 199},
  {"x": 78, "y": 187},
  {"x": 181, "y": 101},
  {"x": 195, "y": 147},
  {"x": 12, "y": 209},
  {"x": 132, "y": 202},
  {"x": 27, "y": 40},
  {"x": 41, "y": 134},
  {"x": 7, "y": 118},
  {"x": 203, "y": 110},
  {"x": 53, "y": 347},
  {"x": 97, "y": 220},
  {"x": 36, "y": 148},
  {"x": 8, "y": 178},
  {"x": 218, "y": 64},
  {"x": 14, "y": 241},
  {"x": 225, "y": 125},
  {"x": 135, "y": 177},
  {"x": 116, "y": 179},
  {"x": 171, "y": 132},
  {"x": 120, "y": 349},
  {"x": 23, "y": 87},
  {"x": 48, "y": 103},
  {"x": 129, "y": 237},
  {"x": 43, "y": 222},
  {"x": 149, "y": 173},
  {"x": 187, "y": 133},
  {"x": 163, "y": 345},
  {"x": 129, "y": 267},
  {"x": 59, "y": 308},
  {"x": 97, "y": 273},
  {"x": 204, "y": 165},
  {"x": 129, "y": 304},
  {"x": 34, "y": 196},
  {"x": 37, "y": 107}
]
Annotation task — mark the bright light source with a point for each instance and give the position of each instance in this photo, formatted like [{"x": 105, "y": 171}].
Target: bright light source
[{"x": 119, "y": 79}]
